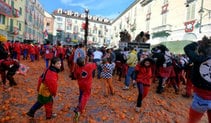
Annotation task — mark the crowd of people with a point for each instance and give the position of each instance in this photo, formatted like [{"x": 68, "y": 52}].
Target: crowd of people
[{"x": 139, "y": 69}]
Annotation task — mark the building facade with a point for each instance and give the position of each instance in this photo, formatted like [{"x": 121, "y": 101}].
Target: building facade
[
  {"x": 69, "y": 28},
  {"x": 34, "y": 21},
  {"x": 48, "y": 26},
  {"x": 165, "y": 20},
  {"x": 12, "y": 19}
]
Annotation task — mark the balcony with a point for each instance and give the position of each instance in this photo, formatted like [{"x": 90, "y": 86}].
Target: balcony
[
  {"x": 145, "y": 2},
  {"x": 8, "y": 10},
  {"x": 166, "y": 27},
  {"x": 13, "y": 30}
]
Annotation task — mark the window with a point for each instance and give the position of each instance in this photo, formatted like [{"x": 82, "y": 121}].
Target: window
[
  {"x": 69, "y": 27},
  {"x": 147, "y": 25},
  {"x": 59, "y": 25},
  {"x": 164, "y": 18},
  {"x": 20, "y": 26},
  {"x": 2, "y": 19},
  {"x": 135, "y": 11},
  {"x": 12, "y": 4},
  {"x": 191, "y": 11},
  {"x": 11, "y": 24},
  {"x": 20, "y": 11},
  {"x": 149, "y": 9},
  {"x": 59, "y": 19},
  {"x": 75, "y": 29}
]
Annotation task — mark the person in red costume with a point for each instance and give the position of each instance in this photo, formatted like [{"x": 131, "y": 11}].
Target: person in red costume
[
  {"x": 32, "y": 52},
  {"x": 47, "y": 89},
  {"x": 200, "y": 54},
  {"x": 143, "y": 75},
  {"x": 83, "y": 74},
  {"x": 17, "y": 50},
  {"x": 60, "y": 53},
  {"x": 8, "y": 68}
]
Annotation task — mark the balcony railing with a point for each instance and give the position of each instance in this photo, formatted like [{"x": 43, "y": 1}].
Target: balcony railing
[{"x": 166, "y": 27}]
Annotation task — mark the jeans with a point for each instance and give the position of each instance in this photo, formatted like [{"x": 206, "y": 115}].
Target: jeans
[
  {"x": 98, "y": 68},
  {"x": 129, "y": 75},
  {"x": 32, "y": 56},
  {"x": 46, "y": 63}
]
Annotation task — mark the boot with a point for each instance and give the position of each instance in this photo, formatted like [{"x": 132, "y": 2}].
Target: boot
[{"x": 160, "y": 89}]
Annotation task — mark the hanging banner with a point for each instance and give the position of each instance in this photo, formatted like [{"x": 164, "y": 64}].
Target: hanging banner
[{"x": 189, "y": 26}]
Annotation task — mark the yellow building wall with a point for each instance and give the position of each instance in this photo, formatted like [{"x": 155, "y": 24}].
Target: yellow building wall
[{"x": 3, "y": 27}]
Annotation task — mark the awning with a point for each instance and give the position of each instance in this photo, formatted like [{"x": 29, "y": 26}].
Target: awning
[{"x": 176, "y": 47}]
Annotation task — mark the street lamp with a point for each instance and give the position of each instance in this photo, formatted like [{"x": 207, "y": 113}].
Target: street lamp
[
  {"x": 86, "y": 26},
  {"x": 201, "y": 11}
]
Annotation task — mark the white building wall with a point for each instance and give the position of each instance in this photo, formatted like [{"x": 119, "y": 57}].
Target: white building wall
[
  {"x": 176, "y": 19},
  {"x": 59, "y": 24}
]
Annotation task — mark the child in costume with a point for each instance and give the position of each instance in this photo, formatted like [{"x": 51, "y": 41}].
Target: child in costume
[
  {"x": 143, "y": 75},
  {"x": 106, "y": 74},
  {"x": 47, "y": 89},
  {"x": 83, "y": 74}
]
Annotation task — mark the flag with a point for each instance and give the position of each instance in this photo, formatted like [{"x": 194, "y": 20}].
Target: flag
[{"x": 23, "y": 69}]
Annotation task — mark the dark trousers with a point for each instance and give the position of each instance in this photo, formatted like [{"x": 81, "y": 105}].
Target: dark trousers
[
  {"x": 9, "y": 75},
  {"x": 142, "y": 92},
  {"x": 38, "y": 105}
]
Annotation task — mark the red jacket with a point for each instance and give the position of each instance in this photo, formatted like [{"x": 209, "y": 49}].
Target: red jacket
[
  {"x": 84, "y": 76},
  {"x": 17, "y": 47},
  {"x": 60, "y": 52},
  {"x": 144, "y": 74},
  {"x": 50, "y": 80},
  {"x": 31, "y": 49}
]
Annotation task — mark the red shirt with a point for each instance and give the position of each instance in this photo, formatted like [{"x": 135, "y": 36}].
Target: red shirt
[
  {"x": 17, "y": 47},
  {"x": 144, "y": 74},
  {"x": 84, "y": 76}
]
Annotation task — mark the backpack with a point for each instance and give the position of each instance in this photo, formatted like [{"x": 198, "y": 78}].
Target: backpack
[{"x": 42, "y": 88}]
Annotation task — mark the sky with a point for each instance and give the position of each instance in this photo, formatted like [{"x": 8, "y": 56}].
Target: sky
[{"x": 103, "y": 8}]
